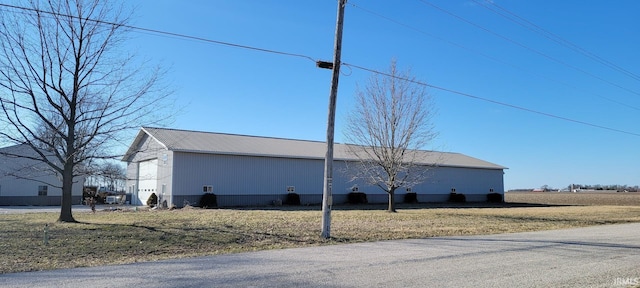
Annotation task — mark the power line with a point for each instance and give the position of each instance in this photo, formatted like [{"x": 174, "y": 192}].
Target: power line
[
  {"x": 529, "y": 48},
  {"x": 155, "y": 31},
  {"x": 492, "y": 101},
  {"x": 489, "y": 56},
  {"x": 343, "y": 63},
  {"x": 511, "y": 16}
]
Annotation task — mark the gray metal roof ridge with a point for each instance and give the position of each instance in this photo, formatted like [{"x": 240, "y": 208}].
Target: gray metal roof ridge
[
  {"x": 461, "y": 160},
  {"x": 234, "y": 134}
]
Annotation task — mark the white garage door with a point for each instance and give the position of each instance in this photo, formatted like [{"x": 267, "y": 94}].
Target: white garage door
[{"x": 147, "y": 180}]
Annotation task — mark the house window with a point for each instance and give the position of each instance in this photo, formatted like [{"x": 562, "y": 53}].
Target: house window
[
  {"x": 207, "y": 189},
  {"x": 291, "y": 189},
  {"x": 42, "y": 190}
]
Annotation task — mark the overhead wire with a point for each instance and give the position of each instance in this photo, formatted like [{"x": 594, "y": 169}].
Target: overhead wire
[
  {"x": 155, "y": 31},
  {"x": 491, "y": 101},
  {"x": 536, "y": 51},
  {"x": 495, "y": 59},
  {"x": 513, "y": 17},
  {"x": 343, "y": 63}
]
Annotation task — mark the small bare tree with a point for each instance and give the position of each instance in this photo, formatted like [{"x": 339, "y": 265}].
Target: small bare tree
[
  {"x": 391, "y": 120},
  {"x": 66, "y": 90}
]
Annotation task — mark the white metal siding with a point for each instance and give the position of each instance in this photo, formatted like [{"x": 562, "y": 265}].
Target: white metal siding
[
  {"x": 32, "y": 174},
  {"x": 19, "y": 191},
  {"x": 256, "y": 176},
  {"x": 165, "y": 176},
  {"x": 439, "y": 180},
  {"x": 238, "y": 175},
  {"x": 464, "y": 180}
]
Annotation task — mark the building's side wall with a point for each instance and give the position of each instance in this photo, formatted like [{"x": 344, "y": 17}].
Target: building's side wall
[
  {"x": 436, "y": 186},
  {"x": 165, "y": 177},
  {"x": 244, "y": 180},
  {"x": 23, "y": 190},
  {"x": 247, "y": 180},
  {"x": 475, "y": 184},
  {"x": 131, "y": 182}
]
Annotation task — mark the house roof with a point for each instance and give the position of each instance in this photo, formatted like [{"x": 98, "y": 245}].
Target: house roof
[{"x": 233, "y": 144}]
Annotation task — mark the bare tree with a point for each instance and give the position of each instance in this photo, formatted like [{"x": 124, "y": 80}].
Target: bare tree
[
  {"x": 108, "y": 174},
  {"x": 66, "y": 90},
  {"x": 391, "y": 120}
]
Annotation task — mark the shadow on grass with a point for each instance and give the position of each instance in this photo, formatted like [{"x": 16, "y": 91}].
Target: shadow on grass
[
  {"x": 400, "y": 206},
  {"x": 239, "y": 234}
]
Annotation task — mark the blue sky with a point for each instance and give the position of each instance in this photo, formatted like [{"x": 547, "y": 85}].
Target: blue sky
[{"x": 478, "y": 52}]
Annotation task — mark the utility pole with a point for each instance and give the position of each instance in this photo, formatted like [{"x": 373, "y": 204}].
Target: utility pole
[{"x": 327, "y": 196}]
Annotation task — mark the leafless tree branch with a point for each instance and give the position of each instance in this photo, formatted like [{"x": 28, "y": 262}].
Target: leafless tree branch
[
  {"x": 66, "y": 90},
  {"x": 392, "y": 119}
]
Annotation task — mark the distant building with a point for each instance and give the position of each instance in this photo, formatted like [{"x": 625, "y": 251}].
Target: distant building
[
  {"x": 179, "y": 166},
  {"x": 30, "y": 182}
]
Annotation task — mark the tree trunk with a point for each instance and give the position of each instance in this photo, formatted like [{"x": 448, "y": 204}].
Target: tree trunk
[
  {"x": 392, "y": 203},
  {"x": 67, "y": 188}
]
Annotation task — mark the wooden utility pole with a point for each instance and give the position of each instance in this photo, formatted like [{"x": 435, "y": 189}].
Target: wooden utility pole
[{"x": 327, "y": 196}]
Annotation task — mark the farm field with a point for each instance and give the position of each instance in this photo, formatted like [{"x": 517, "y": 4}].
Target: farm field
[
  {"x": 579, "y": 198},
  {"x": 127, "y": 236}
]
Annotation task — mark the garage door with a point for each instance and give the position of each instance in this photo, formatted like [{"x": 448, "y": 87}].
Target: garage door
[{"x": 147, "y": 180}]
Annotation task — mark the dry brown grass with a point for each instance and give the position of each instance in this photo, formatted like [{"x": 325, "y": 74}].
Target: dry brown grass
[
  {"x": 111, "y": 237},
  {"x": 580, "y": 198}
]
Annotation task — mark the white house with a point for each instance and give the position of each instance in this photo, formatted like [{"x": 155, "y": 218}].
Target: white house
[
  {"x": 30, "y": 182},
  {"x": 179, "y": 166}
]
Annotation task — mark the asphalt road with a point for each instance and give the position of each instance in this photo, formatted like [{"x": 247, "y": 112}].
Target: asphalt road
[
  {"x": 602, "y": 256},
  {"x": 38, "y": 209}
]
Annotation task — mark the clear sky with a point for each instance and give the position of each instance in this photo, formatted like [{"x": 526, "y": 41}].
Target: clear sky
[{"x": 573, "y": 60}]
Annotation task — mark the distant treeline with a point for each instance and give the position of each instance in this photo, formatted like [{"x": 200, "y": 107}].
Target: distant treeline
[
  {"x": 605, "y": 187},
  {"x": 597, "y": 187}
]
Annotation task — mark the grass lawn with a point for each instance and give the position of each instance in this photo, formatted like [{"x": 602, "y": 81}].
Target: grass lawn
[{"x": 115, "y": 237}]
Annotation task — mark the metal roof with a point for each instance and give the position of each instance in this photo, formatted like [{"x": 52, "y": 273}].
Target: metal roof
[{"x": 232, "y": 144}]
